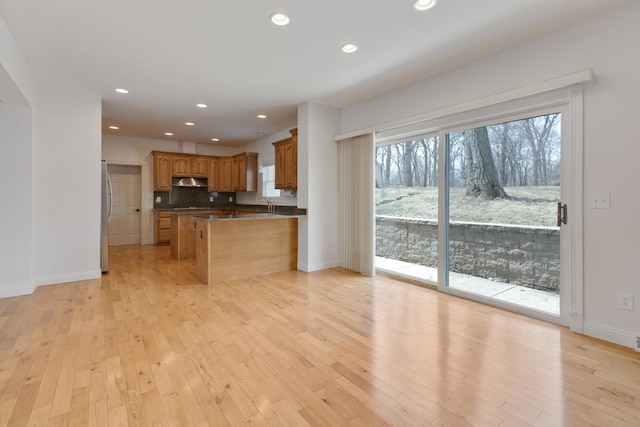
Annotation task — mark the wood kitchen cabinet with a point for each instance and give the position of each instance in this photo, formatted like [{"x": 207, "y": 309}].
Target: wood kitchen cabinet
[
  {"x": 286, "y": 161},
  {"x": 163, "y": 227},
  {"x": 224, "y": 174},
  {"x": 181, "y": 166},
  {"x": 200, "y": 167},
  {"x": 162, "y": 172},
  {"x": 213, "y": 177},
  {"x": 244, "y": 173},
  {"x": 225, "y": 165}
]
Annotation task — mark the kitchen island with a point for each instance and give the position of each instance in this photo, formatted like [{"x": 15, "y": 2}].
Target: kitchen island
[{"x": 238, "y": 246}]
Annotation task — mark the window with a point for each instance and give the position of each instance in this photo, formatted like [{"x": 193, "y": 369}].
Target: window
[{"x": 269, "y": 182}]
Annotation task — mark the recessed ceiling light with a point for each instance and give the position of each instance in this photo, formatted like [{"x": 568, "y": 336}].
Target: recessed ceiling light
[
  {"x": 201, "y": 105},
  {"x": 169, "y": 133},
  {"x": 215, "y": 139},
  {"x": 424, "y": 4},
  {"x": 114, "y": 127},
  {"x": 262, "y": 116},
  {"x": 349, "y": 48},
  {"x": 280, "y": 19},
  {"x": 120, "y": 90},
  {"x": 188, "y": 123}
]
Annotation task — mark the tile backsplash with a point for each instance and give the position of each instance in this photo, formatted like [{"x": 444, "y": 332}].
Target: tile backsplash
[{"x": 186, "y": 197}]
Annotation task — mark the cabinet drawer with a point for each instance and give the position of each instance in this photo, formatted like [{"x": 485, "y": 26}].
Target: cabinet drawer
[
  {"x": 164, "y": 235},
  {"x": 164, "y": 223}
]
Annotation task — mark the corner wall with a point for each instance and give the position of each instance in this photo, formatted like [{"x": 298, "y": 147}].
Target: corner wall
[
  {"x": 318, "y": 187},
  {"x": 17, "y": 95}
]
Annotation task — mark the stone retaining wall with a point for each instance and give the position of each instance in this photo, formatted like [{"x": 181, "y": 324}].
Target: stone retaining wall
[{"x": 526, "y": 256}]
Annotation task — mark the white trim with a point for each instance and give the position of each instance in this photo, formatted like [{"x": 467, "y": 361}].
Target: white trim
[
  {"x": 309, "y": 267},
  {"x": 17, "y": 291},
  {"x": 72, "y": 277},
  {"x": 606, "y": 333},
  {"x": 576, "y": 262},
  {"x": 584, "y": 76}
]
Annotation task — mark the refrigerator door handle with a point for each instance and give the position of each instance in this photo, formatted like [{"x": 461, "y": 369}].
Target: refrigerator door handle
[{"x": 110, "y": 198}]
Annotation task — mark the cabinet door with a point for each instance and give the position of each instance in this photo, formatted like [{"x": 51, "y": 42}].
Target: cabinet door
[
  {"x": 162, "y": 172},
  {"x": 251, "y": 172},
  {"x": 163, "y": 227},
  {"x": 279, "y": 166},
  {"x": 181, "y": 166},
  {"x": 288, "y": 165},
  {"x": 214, "y": 175},
  {"x": 224, "y": 166},
  {"x": 294, "y": 158},
  {"x": 199, "y": 167},
  {"x": 239, "y": 173}
]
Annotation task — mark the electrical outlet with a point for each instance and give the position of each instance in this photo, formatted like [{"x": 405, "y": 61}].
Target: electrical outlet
[
  {"x": 211, "y": 198},
  {"x": 599, "y": 200},
  {"x": 158, "y": 199},
  {"x": 625, "y": 301},
  {"x": 231, "y": 198}
]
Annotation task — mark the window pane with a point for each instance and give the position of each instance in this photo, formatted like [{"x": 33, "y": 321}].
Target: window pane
[
  {"x": 269, "y": 182},
  {"x": 407, "y": 208}
]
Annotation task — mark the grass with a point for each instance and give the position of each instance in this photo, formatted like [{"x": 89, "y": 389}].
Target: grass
[{"x": 527, "y": 206}]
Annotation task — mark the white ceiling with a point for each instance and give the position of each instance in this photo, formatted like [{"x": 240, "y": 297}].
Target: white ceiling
[{"x": 173, "y": 54}]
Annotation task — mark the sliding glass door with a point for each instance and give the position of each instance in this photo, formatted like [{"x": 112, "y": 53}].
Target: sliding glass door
[{"x": 504, "y": 211}]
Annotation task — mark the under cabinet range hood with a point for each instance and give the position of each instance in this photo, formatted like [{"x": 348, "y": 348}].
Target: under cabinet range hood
[{"x": 189, "y": 182}]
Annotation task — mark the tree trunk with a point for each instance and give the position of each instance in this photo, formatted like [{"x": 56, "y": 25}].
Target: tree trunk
[
  {"x": 407, "y": 163},
  {"x": 482, "y": 175}
]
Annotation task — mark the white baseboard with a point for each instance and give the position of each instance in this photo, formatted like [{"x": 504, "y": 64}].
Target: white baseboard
[
  {"x": 72, "y": 277},
  {"x": 323, "y": 265},
  {"x": 616, "y": 336},
  {"x": 16, "y": 291}
]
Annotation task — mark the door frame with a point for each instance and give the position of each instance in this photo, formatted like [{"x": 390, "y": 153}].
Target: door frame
[
  {"x": 146, "y": 210},
  {"x": 570, "y": 103}
]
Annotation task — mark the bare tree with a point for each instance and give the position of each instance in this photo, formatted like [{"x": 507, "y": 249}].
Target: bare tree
[{"x": 482, "y": 175}]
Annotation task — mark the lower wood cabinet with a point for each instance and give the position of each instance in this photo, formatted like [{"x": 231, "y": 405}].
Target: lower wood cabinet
[{"x": 163, "y": 227}]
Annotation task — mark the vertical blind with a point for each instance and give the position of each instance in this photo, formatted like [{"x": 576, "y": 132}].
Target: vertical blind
[{"x": 357, "y": 204}]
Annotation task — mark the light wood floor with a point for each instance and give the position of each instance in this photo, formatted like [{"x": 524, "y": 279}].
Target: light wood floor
[{"x": 148, "y": 345}]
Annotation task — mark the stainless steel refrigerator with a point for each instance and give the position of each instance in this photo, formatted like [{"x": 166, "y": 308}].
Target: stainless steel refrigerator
[{"x": 105, "y": 218}]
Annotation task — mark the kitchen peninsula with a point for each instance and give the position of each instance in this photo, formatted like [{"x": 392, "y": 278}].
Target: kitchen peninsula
[{"x": 238, "y": 246}]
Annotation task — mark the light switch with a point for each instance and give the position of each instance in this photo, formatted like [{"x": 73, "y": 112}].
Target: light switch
[{"x": 600, "y": 200}]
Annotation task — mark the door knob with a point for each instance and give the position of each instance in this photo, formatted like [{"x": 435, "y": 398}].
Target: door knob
[{"x": 137, "y": 210}]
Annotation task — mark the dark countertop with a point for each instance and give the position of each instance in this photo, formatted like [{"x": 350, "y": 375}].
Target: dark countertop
[
  {"x": 241, "y": 217},
  {"x": 279, "y": 210}
]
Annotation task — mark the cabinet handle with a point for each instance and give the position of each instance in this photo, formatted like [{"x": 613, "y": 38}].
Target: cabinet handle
[{"x": 201, "y": 237}]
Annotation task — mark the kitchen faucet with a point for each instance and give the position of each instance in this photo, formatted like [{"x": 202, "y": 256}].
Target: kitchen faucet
[{"x": 270, "y": 206}]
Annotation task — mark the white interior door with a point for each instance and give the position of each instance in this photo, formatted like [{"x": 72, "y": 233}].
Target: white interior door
[{"x": 124, "y": 227}]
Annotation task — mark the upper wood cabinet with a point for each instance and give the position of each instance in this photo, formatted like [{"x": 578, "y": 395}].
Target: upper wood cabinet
[
  {"x": 244, "y": 173},
  {"x": 200, "y": 167},
  {"x": 214, "y": 175},
  {"x": 286, "y": 161},
  {"x": 181, "y": 166},
  {"x": 162, "y": 172},
  {"x": 225, "y": 165},
  {"x": 225, "y": 174}
]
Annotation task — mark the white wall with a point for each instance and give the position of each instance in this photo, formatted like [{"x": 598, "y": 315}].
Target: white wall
[
  {"x": 66, "y": 203},
  {"x": 317, "y": 187},
  {"x": 608, "y": 45},
  {"x": 15, "y": 200},
  {"x": 17, "y": 94}
]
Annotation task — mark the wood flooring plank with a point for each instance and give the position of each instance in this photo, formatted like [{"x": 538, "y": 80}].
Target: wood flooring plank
[{"x": 147, "y": 345}]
